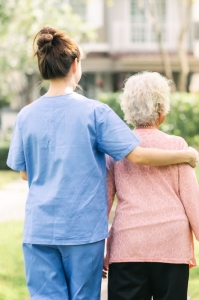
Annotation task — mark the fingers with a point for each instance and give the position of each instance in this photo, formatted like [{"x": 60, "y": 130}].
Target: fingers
[
  {"x": 104, "y": 275},
  {"x": 105, "y": 268},
  {"x": 105, "y": 272},
  {"x": 193, "y": 163}
]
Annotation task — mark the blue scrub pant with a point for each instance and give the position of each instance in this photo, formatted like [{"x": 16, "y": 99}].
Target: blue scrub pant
[{"x": 64, "y": 272}]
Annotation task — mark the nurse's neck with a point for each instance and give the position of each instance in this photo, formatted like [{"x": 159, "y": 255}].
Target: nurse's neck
[{"x": 60, "y": 86}]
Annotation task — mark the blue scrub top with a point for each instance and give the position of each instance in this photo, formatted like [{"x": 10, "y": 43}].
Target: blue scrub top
[{"x": 61, "y": 142}]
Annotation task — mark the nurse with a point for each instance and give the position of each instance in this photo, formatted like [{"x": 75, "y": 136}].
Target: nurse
[{"x": 59, "y": 145}]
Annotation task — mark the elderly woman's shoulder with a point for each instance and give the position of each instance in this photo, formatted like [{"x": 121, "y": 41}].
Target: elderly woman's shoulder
[{"x": 177, "y": 140}]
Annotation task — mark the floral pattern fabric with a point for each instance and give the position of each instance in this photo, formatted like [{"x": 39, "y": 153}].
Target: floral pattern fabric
[{"x": 157, "y": 208}]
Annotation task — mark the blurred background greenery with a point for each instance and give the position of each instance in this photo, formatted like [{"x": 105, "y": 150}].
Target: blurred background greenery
[
  {"x": 119, "y": 39},
  {"x": 182, "y": 120}
]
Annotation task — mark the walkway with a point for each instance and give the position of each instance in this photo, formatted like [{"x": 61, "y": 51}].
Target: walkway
[
  {"x": 12, "y": 200},
  {"x": 12, "y": 207}
]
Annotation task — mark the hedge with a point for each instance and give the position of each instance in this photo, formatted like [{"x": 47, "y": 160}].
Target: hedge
[
  {"x": 3, "y": 158},
  {"x": 182, "y": 120}
]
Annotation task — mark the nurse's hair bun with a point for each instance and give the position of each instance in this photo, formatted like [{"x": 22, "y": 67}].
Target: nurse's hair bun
[
  {"x": 55, "y": 52},
  {"x": 46, "y": 38}
]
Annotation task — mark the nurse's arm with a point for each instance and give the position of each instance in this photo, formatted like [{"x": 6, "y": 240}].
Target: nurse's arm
[
  {"x": 157, "y": 157},
  {"x": 23, "y": 175}
]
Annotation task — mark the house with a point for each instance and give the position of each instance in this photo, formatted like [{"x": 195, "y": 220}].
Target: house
[{"x": 127, "y": 42}]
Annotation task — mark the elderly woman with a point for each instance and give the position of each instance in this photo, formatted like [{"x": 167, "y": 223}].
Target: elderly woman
[{"x": 150, "y": 248}]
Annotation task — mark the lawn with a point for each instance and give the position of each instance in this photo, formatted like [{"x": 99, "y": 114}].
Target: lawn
[
  {"x": 12, "y": 279},
  {"x": 194, "y": 273},
  {"x": 194, "y": 277},
  {"x": 6, "y": 177}
]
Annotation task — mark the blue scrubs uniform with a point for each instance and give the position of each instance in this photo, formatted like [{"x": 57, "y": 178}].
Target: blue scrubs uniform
[{"x": 61, "y": 143}]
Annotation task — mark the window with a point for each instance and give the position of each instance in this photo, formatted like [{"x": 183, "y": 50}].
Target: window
[
  {"x": 79, "y": 7},
  {"x": 196, "y": 31},
  {"x": 142, "y": 30}
]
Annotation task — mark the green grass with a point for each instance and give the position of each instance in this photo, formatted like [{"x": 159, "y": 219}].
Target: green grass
[
  {"x": 197, "y": 172},
  {"x": 194, "y": 277},
  {"x": 12, "y": 279},
  {"x": 6, "y": 177},
  {"x": 4, "y": 143}
]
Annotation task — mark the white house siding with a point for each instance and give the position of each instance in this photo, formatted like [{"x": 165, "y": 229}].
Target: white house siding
[
  {"x": 122, "y": 28},
  {"x": 196, "y": 28},
  {"x": 8, "y": 119},
  {"x": 95, "y": 13}
]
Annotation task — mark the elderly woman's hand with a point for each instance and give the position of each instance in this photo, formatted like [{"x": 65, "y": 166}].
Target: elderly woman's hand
[
  {"x": 194, "y": 157},
  {"x": 105, "y": 271}
]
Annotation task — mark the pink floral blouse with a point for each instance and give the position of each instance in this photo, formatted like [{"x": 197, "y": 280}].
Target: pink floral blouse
[{"x": 157, "y": 208}]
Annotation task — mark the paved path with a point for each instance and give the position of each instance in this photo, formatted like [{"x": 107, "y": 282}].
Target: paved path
[
  {"x": 12, "y": 200},
  {"x": 12, "y": 207}
]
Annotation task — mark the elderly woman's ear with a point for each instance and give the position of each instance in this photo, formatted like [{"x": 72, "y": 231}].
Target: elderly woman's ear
[{"x": 161, "y": 119}]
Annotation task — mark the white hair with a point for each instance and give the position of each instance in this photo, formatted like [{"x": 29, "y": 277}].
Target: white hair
[{"x": 145, "y": 95}]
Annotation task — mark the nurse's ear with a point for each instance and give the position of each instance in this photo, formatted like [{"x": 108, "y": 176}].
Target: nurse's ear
[{"x": 74, "y": 65}]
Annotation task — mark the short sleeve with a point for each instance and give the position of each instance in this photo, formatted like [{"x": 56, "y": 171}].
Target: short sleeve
[
  {"x": 114, "y": 137},
  {"x": 16, "y": 159}
]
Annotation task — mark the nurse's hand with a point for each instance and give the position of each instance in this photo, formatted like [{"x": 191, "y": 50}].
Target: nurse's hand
[
  {"x": 24, "y": 175},
  {"x": 194, "y": 161}
]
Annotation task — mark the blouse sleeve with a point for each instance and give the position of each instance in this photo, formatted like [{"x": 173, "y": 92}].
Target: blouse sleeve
[
  {"x": 16, "y": 158},
  {"x": 111, "y": 195},
  {"x": 110, "y": 182},
  {"x": 189, "y": 194}
]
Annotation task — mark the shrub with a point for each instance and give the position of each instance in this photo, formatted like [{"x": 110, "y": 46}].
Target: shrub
[
  {"x": 3, "y": 158},
  {"x": 182, "y": 120},
  {"x": 112, "y": 100}
]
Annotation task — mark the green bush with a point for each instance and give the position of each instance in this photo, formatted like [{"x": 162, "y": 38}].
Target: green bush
[
  {"x": 182, "y": 120},
  {"x": 3, "y": 158},
  {"x": 112, "y": 100}
]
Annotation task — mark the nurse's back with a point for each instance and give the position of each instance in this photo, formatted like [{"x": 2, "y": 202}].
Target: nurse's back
[
  {"x": 65, "y": 169},
  {"x": 60, "y": 141}
]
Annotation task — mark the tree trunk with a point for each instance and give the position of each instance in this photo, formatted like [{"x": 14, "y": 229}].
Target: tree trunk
[
  {"x": 182, "y": 54},
  {"x": 152, "y": 17},
  {"x": 166, "y": 61}
]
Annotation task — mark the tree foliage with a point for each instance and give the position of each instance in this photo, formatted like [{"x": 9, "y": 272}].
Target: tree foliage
[
  {"x": 150, "y": 10},
  {"x": 20, "y": 20}
]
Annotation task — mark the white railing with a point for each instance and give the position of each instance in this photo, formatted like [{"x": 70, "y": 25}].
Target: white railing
[{"x": 141, "y": 37}]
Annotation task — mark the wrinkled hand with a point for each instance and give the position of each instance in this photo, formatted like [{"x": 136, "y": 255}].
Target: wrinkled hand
[
  {"x": 105, "y": 271},
  {"x": 195, "y": 157}
]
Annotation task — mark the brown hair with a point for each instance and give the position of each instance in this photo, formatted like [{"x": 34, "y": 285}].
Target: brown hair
[{"x": 55, "y": 52}]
